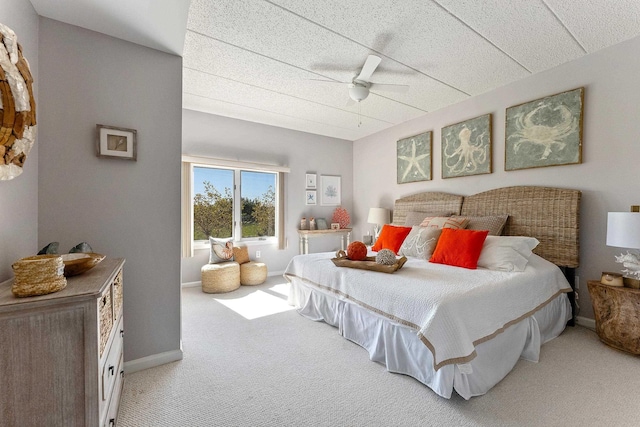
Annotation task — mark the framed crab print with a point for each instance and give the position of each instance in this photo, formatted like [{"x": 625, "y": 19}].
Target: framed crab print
[
  {"x": 466, "y": 147},
  {"x": 413, "y": 158},
  {"x": 545, "y": 132}
]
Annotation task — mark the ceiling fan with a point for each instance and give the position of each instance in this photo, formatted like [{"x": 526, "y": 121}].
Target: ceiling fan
[{"x": 361, "y": 83}]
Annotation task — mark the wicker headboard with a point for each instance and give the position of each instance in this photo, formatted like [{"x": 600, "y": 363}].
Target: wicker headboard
[{"x": 551, "y": 215}]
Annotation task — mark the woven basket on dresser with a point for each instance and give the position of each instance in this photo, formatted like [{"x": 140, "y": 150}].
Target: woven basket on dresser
[
  {"x": 253, "y": 273},
  {"x": 38, "y": 275},
  {"x": 221, "y": 277}
]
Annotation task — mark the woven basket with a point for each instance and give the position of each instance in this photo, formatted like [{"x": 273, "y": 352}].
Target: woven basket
[
  {"x": 253, "y": 273},
  {"x": 38, "y": 275}
]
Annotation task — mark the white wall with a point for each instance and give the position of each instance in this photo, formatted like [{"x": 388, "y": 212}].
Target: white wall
[
  {"x": 121, "y": 208},
  {"x": 221, "y": 137},
  {"x": 19, "y": 196},
  {"x": 608, "y": 177}
]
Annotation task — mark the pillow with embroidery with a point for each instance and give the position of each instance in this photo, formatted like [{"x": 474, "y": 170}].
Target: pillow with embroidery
[
  {"x": 456, "y": 222},
  {"x": 221, "y": 251},
  {"x": 416, "y": 218},
  {"x": 420, "y": 242}
]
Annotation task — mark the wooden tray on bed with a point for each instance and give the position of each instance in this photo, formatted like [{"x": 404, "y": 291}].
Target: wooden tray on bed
[{"x": 369, "y": 263}]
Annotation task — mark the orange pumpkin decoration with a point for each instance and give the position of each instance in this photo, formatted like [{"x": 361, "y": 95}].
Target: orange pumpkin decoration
[{"x": 356, "y": 251}]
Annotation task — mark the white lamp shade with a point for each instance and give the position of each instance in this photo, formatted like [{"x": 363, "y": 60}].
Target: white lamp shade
[
  {"x": 623, "y": 229},
  {"x": 378, "y": 216}
]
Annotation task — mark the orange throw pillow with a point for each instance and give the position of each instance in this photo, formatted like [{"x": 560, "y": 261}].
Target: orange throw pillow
[
  {"x": 460, "y": 248},
  {"x": 391, "y": 237}
]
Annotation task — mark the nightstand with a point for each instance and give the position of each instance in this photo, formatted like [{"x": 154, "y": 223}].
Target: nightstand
[{"x": 617, "y": 314}]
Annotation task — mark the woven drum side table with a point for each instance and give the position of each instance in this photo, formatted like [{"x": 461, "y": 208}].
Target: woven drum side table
[
  {"x": 253, "y": 273},
  {"x": 219, "y": 278}
]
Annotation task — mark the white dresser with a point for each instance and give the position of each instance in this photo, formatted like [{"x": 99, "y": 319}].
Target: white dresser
[{"x": 61, "y": 354}]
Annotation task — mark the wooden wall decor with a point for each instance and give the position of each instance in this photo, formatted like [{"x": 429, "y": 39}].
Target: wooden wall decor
[{"x": 17, "y": 106}]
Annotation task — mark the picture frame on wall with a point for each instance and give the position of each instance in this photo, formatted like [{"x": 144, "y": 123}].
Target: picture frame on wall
[
  {"x": 330, "y": 190},
  {"x": 466, "y": 147},
  {"x": 413, "y": 158},
  {"x": 310, "y": 197},
  {"x": 545, "y": 132},
  {"x": 310, "y": 181},
  {"x": 116, "y": 142}
]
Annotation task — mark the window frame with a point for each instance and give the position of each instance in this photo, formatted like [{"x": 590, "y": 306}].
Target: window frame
[{"x": 188, "y": 164}]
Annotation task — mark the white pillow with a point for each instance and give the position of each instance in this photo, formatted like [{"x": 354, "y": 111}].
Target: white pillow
[{"x": 506, "y": 253}]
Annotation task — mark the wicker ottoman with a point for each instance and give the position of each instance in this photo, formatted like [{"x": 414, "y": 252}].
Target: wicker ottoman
[
  {"x": 253, "y": 273},
  {"x": 222, "y": 277}
]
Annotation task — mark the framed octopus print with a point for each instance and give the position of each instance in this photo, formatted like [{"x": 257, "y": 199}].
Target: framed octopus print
[
  {"x": 413, "y": 156},
  {"x": 544, "y": 132},
  {"x": 466, "y": 148}
]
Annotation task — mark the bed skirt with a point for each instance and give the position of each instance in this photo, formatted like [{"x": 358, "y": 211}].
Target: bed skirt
[{"x": 401, "y": 351}]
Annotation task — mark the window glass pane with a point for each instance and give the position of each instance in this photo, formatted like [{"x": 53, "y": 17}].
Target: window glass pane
[
  {"x": 212, "y": 203},
  {"x": 258, "y": 194}
]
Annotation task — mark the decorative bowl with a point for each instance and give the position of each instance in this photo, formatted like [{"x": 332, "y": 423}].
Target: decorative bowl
[{"x": 78, "y": 263}]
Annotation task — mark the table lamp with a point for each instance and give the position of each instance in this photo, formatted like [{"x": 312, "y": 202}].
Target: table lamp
[
  {"x": 378, "y": 216},
  {"x": 623, "y": 231}
]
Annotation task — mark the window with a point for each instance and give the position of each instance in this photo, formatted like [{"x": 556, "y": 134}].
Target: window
[{"x": 225, "y": 199}]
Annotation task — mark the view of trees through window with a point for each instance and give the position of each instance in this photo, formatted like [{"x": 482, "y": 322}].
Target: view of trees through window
[{"x": 214, "y": 199}]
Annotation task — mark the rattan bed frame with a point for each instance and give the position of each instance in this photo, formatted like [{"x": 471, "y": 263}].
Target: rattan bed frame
[{"x": 551, "y": 215}]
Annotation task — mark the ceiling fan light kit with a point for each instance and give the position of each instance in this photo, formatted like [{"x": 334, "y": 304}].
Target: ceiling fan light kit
[{"x": 358, "y": 91}]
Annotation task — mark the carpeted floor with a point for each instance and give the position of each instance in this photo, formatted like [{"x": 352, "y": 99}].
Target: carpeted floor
[{"x": 250, "y": 360}]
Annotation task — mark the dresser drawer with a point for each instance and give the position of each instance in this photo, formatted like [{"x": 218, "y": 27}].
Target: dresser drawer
[
  {"x": 111, "y": 415},
  {"x": 109, "y": 370}
]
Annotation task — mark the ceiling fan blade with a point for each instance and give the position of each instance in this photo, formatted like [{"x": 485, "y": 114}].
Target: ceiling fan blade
[
  {"x": 368, "y": 68},
  {"x": 328, "y": 81},
  {"x": 383, "y": 87}
]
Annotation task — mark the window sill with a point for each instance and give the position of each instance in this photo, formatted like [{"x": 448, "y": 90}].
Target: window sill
[{"x": 272, "y": 241}]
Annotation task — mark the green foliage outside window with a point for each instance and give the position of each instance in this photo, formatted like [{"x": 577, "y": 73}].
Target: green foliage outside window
[{"x": 213, "y": 214}]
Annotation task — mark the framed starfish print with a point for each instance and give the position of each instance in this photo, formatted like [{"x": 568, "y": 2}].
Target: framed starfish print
[{"x": 414, "y": 158}]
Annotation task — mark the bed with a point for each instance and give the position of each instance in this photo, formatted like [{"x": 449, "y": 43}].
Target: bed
[{"x": 448, "y": 327}]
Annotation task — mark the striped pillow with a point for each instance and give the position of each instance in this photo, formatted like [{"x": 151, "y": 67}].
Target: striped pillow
[{"x": 457, "y": 222}]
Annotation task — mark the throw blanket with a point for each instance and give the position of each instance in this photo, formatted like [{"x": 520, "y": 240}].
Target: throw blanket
[{"x": 452, "y": 309}]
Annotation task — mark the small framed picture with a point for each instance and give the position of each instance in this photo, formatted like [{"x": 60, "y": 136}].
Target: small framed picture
[
  {"x": 335, "y": 226},
  {"x": 310, "y": 198},
  {"x": 330, "y": 190},
  {"x": 116, "y": 142},
  {"x": 311, "y": 181}
]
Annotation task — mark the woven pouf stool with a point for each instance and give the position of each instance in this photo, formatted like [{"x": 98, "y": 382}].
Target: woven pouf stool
[
  {"x": 221, "y": 277},
  {"x": 253, "y": 273}
]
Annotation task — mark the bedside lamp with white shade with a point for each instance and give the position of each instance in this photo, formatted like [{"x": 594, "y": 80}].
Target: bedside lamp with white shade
[
  {"x": 379, "y": 217},
  {"x": 623, "y": 231}
]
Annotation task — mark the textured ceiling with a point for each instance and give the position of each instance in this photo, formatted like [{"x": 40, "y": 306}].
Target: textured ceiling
[
  {"x": 255, "y": 59},
  {"x": 259, "y": 60}
]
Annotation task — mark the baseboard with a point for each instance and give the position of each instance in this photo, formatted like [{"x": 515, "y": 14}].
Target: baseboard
[
  {"x": 275, "y": 273},
  {"x": 152, "y": 361},
  {"x": 586, "y": 322},
  {"x": 191, "y": 284}
]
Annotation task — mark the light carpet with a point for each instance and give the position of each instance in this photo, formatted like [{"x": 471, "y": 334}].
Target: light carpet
[{"x": 250, "y": 360}]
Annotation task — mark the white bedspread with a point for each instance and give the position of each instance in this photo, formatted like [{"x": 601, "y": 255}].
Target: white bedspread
[{"x": 452, "y": 309}]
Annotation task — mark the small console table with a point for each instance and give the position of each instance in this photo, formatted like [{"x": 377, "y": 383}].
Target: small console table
[{"x": 304, "y": 236}]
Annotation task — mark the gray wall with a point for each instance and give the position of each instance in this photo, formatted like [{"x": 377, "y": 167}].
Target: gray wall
[
  {"x": 19, "y": 196},
  {"x": 608, "y": 176},
  {"x": 221, "y": 137},
  {"x": 121, "y": 208}
]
